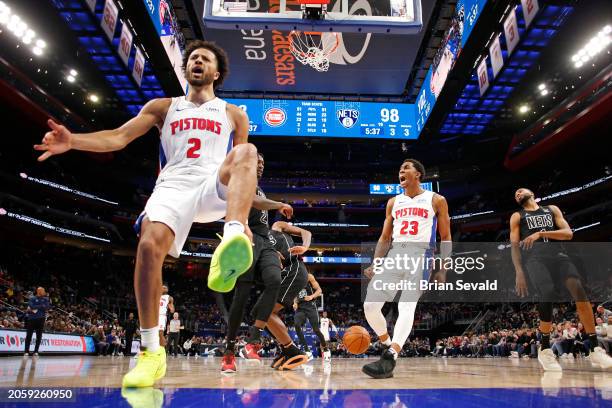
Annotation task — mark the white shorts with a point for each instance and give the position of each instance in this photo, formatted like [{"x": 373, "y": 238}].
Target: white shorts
[
  {"x": 162, "y": 323},
  {"x": 182, "y": 200},
  {"x": 325, "y": 334},
  {"x": 401, "y": 277}
]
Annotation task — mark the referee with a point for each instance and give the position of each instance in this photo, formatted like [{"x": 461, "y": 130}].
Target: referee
[{"x": 35, "y": 315}]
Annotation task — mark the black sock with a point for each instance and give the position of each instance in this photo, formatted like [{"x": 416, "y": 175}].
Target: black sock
[
  {"x": 593, "y": 341},
  {"x": 545, "y": 341}
]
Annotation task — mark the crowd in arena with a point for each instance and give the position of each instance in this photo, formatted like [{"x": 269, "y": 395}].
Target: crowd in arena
[{"x": 505, "y": 330}]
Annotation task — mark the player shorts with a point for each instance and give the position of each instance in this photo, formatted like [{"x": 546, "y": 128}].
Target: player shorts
[
  {"x": 293, "y": 280},
  {"x": 162, "y": 323},
  {"x": 265, "y": 261},
  {"x": 309, "y": 313},
  {"x": 548, "y": 275},
  {"x": 179, "y": 201},
  {"x": 325, "y": 334},
  {"x": 402, "y": 271}
]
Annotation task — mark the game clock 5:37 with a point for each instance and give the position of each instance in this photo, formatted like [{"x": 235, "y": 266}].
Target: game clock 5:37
[{"x": 329, "y": 118}]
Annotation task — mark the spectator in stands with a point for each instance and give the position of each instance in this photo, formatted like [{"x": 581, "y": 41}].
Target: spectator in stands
[
  {"x": 556, "y": 340},
  {"x": 603, "y": 338},
  {"x": 569, "y": 337},
  {"x": 131, "y": 326},
  {"x": 36, "y": 315},
  {"x": 604, "y": 313},
  {"x": 100, "y": 341},
  {"x": 582, "y": 343},
  {"x": 110, "y": 340}
]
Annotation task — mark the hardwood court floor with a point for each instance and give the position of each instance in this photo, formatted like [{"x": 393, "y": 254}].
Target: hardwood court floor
[{"x": 428, "y": 381}]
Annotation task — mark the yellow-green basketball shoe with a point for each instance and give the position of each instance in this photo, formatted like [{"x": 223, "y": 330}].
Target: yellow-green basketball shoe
[
  {"x": 151, "y": 366},
  {"x": 232, "y": 258}
]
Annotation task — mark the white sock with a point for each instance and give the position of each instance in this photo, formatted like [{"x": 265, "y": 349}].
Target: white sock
[
  {"x": 149, "y": 339},
  {"x": 393, "y": 352},
  {"x": 387, "y": 342},
  {"x": 232, "y": 228}
]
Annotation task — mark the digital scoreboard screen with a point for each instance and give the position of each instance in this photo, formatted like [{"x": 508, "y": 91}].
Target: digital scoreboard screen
[{"x": 308, "y": 118}]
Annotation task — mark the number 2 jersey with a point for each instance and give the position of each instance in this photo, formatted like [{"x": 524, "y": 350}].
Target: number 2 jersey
[
  {"x": 194, "y": 140},
  {"x": 414, "y": 219}
]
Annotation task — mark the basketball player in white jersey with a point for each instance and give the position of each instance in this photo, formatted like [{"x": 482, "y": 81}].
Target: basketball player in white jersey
[
  {"x": 166, "y": 302},
  {"x": 208, "y": 171},
  {"x": 325, "y": 323},
  {"x": 409, "y": 228}
]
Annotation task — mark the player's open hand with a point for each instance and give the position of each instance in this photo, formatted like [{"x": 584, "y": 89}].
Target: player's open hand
[
  {"x": 521, "y": 284},
  {"x": 56, "y": 141},
  {"x": 286, "y": 210},
  {"x": 297, "y": 250},
  {"x": 528, "y": 242}
]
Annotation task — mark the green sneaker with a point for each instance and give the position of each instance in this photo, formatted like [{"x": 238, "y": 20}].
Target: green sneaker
[
  {"x": 149, "y": 368},
  {"x": 232, "y": 258}
]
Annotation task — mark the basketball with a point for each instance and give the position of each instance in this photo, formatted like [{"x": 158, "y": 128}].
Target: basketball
[{"x": 356, "y": 340}]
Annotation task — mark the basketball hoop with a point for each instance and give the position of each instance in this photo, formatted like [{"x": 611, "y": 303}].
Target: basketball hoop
[
  {"x": 304, "y": 44},
  {"x": 310, "y": 51}
]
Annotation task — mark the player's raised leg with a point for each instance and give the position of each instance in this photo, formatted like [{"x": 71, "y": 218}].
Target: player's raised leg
[{"x": 234, "y": 255}]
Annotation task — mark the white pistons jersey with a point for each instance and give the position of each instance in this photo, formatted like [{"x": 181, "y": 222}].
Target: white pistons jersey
[
  {"x": 194, "y": 139},
  {"x": 414, "y": 219},
  {"x": 163, "y": 305},
  {"x": 324, "y": 324}
]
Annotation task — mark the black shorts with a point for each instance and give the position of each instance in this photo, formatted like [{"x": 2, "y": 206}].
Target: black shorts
[
  {"x": 309, "y": 313},
  {"x": 265, "y": 258},
  {"x": 549, "y": 274},
  {"x": 293, "y": 279}
]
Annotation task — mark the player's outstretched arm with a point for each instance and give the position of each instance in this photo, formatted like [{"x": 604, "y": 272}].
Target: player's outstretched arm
[
  {"x": 262, "y": 203},
  {"x": 59, "y": 139},
  {"x": 306, "y": 235}
]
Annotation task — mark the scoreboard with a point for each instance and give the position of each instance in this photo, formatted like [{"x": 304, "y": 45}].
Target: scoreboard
[
  {"x": 395, "y": 189},
  {"x": 309, "y": 118}
]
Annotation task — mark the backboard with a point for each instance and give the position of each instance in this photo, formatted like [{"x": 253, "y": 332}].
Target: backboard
[{"x": 358, "y": 16}]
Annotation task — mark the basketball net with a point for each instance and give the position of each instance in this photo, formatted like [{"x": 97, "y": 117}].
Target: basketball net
[{"x": 310, "y": 51}]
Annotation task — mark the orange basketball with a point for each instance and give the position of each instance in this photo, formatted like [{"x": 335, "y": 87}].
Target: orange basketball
[{"x": 356, "y": 340}]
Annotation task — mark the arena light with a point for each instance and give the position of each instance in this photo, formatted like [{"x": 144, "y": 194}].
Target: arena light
[
  {"x": 94, "y": 98},
  {"x": 70, "y": 78},
  {"x": 598, "y": 43},
  {"x": 20, "y": 29},
  {"x": 523, "y": 109},
  {"x": 544, "y": 92},
  {"x": 542, "y": 87},
  {"x": 73, "y": 72}
]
